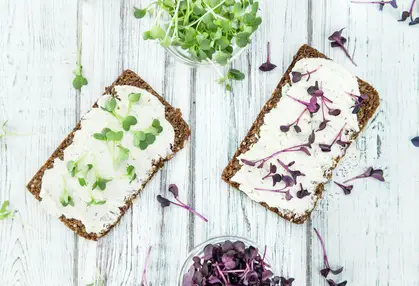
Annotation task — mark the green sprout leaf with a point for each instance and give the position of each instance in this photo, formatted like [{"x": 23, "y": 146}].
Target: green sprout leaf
[
  {"x": 156, "y": 32},
  {"x": 66, "y": 199},
  {"x": 222, "y": 58},
  {"x": 4, "y": 212},
  {"x": 128, "y": 122},
  {"x": 100, "y": 183},
  {"x": 139, "y": 13},
  {"x": 82, "y": 182},
  {"x": 110, "y": 105},
  {"x": 72, "y": 167},
  {"x": 96, "y": 203},
  {"x": 235, "y": 74},
  {"x": 242, "y": 39},
  {"x": 3, "y": 132},
  {"x": 123, "y": 153},
  {"x": 150, "y": 138},
  {"x": 131, "y": 173},
  {"x": 114, "y": 136},
  {"x": 134, "y": 97}
]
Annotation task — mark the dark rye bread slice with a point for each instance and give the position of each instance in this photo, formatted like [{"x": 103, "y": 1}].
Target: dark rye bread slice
[
  {"x": 174, "y": 116},
  {"x": 365, "y": 114}
]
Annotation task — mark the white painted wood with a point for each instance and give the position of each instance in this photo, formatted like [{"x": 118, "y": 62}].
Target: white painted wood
[
  {"x": 37, "y": 56},
  {"x": 368, "y": 232}
]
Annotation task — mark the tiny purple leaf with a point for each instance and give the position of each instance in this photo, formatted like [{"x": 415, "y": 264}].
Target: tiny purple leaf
[
  {"x": 346, "y": 189},
  {"x": 267, "y": 66},
  {"x": 415, "y": 141},
  {"x": 174, "y": 190},
  {"x": 297, "y": 128},
  {"x": 296, "y": 77},
  {"x": 405, "y": 15},
  {"x": 163, "y": 201},
  {"x": 284, "y": 128},
  {"x": 325, "y": 272},
  {"x": 248, "y": 163}
]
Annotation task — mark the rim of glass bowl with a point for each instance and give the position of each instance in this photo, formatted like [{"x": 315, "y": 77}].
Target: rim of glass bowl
[
  {"x": 183, "y": 56},
  {"x": 198, "y": 249}
]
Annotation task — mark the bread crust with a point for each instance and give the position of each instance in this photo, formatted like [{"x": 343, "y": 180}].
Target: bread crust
[
  {"x": 364, "y": 115},
  {"x": 174, "y": 116}
]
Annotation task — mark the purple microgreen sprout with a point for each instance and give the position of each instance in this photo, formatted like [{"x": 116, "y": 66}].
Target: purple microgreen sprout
[
  {"x": 333, "y": 283},
  {"x": 286, "y": 128},
  {"x": 294, "y": 174},
  {"x": 338, "y": 140},
  {"x": 267, "y": 66},
  {"x": 346, "y": 189},
  {"x": 359, "y": 101},
  {"x": 339, "y": 41},
  {"x": 276, "y": 178},
  {"x": 297, "y": 76},
  {"x": 230, "y": 263},
  {"x": 311, "y": 105},
  {"x": 302, "y": 192},
  {"x": 325, "y": 272},
  {"x": 369, "y": 173},
  {"x": 393, "y": 3},
  {"x": 144, "y": 278},
  {"x": 410, "y": 14},
  {"x": 165, "y": 202},
  {"x": 415, "y": 141},
  {"x": 286, "y": 282},
  {"x": 261, "y": 162},
  {"x": 287, "y": 193}
]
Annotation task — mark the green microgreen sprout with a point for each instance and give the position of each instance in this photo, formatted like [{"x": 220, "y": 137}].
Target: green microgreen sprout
[
  {"x": 5, "y": 212},
  {"x": 128, "y": 122},
  {"x": 209, "y": 31},
  {"x": 82, "y": 178},
  {"x": 73, "y": 166},
  {"x": 131, "y": 173},
  {"x": 146, "y": 137},
  {"x": 123, "y": 154},
  {"x": 79, "y": 81},
  {"x": 233, "y": 74},
  {"x": 110, "y": 137},
  {"x": 95, "y": 202},
  {"x": 65, "y": 198},
  {"x": 3, "y": 131},
  {"x": 100, "y": 183},
  {"x": 133, "y": 98}
]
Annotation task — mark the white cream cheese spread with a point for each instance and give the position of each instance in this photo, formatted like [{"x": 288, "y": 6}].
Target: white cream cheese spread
[
  {"x": 339, "y": 89},
  {"x": 102, "y": 169}
]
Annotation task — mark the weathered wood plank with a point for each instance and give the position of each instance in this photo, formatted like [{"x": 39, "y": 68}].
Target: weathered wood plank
[
  {"x": 368, "y": 231},
  {"x": 38, "y": 100}
]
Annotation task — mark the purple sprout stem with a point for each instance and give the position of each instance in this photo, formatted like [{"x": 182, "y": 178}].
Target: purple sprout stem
[
  {"x": 268, "y": 48},
  {"x": 221, "y": 273},
  {"x": 355, "y": 178},
  {"x": 274, "y": 191},
  {"x": 185, "y": 206},
  {"x": 290, "y": 149},
  {"x": 344, "y": 48},
  {"x": 311, "y": 72},
  {"x": 267, "y": 176},
  {"x": 339, "y": 136},
  {"x": 306, "y": 104},
  {"x": 263, "y": 258},
  {"x": 325, "y": 259},
  {"x": 354, "y": 96},
  {"x": 143, "y": 278},
  {"x": 411, "y": 10}
]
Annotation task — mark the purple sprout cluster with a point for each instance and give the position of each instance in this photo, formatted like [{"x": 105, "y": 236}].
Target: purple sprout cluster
[
  {"x": 377, "y": 174},
  {"x": 233, "y": 264}
]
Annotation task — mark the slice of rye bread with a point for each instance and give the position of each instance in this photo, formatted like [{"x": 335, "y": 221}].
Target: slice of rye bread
[
  {"x": 366, "y": 112},
  {"x": 174, "y": 116}
]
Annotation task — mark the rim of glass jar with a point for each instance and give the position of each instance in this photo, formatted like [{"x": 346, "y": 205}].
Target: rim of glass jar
[
  {"x": 182, "y": 56},
  {"x": 198, "y": 249}
]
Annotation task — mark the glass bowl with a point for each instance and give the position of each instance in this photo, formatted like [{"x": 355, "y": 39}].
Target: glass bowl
[
  {"x": 185, "y": 57},
  {"x": 199, "y": 251}
]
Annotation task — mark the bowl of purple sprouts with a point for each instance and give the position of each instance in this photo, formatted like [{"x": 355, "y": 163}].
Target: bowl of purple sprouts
[{"x": 228, "y": 260}]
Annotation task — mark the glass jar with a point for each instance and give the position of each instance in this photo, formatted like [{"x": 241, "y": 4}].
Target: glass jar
[
  {"x": 199, "y": 251},
  {"x": 185, "y": 57}
]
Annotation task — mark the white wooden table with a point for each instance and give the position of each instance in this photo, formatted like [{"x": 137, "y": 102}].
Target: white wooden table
[{"x": 374, "y": 232}]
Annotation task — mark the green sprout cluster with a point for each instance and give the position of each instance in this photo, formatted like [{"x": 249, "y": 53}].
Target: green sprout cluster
[
  {"x": 5, "y": 212},
  {"x": 143, "y": 139},
  {"x": 209, "y": 30},
  {"x": 65, "y": 198}
]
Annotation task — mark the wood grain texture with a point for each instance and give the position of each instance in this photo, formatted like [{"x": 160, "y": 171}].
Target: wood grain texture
[{"x": 369, "y": 232}]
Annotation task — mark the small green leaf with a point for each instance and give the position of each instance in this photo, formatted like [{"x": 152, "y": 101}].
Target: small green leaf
[
  {"x": 79, "y": 81},
  {"x": 159, "y": 129},
  {"x": 155, "y": 123},
  {"x": 131, "y": 173},
  {"x": 128, "y": 122},
  {"x": 150, "y": 138},
  {"x": 99, "y": 136},
  {"x": 101, "y": 183},
  {"x": 222, "y": 43},
  {"x": 66, "y": 199},
  {"x": 123, "y": 153},
  {"x": 138, "y": 137},
  {"x": 139, "y": 13},
  {"x": 72, "y": 167},
  {"x": 156, "y": 32},
  {"x": 3, "y": 129},
  {"x": 82, "y": 182},
  {"x": 100, "y": 202},
  {"x": 110, "y": 104},
  {"x": 147, "y": 35},
  {"x": 94, "y": 186},
  {"x": 134, "y": 97},
  {"x": 89, "y": 167},
  {"x": 235, "y": 74},
  {"x": 242, "y": 39},
  {"x": 114, "y": 136},
  {"x": 4, "y": 206},
  {"x": 222, "y": 58},
  {"x": 143, "y": 145}
]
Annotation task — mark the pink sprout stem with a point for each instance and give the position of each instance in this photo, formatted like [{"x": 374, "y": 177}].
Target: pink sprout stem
[
  {"x": 274, "y": 191},
  {"x": 326, "y": 260},
  {"x": 185, "y": 206},
  {"x": 143, "y": 278},
  {"x": 311, "y": 72},
  {"x": 411, "y": 9},
  {"x": 268, "y": 48},
  {"x": 355, "y": 178},
  {"x": 221, "y": 273},
  {"x": 263, "y": 258},
  {"x": 300, "y": 101},
  {"x": 299, "y": 117},
  {"x": 339, "y": 136}
]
